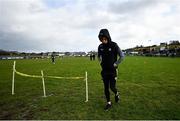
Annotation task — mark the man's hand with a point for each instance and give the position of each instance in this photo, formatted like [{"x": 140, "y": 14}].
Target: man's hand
[{"x": 115, "y": 65}]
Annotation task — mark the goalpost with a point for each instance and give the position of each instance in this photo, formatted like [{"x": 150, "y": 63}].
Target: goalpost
[{"x": 43, "y": 82}]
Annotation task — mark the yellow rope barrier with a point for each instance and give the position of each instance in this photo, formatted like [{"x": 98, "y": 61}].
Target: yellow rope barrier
[
  {"x": 42, "y": 77},
  {"x": 27, "y": 75},
  {"x": 64, "y": 77},
  {"x": 56, "y": 77}
]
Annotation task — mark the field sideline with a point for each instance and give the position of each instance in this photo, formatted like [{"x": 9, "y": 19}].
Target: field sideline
[{"x": 149, "y": 87}]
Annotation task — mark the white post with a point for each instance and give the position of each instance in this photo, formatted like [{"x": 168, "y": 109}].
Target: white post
[
  {"x": 86, "y": 87},
  {"x": 14, "y": 67},
  {"x": 44, "y": 89}
]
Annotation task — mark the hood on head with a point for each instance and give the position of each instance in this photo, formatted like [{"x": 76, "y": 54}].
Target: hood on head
[{"x": 104, "y": 33}]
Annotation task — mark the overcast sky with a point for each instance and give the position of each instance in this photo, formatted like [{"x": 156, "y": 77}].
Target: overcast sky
[{"x": 73, "y": 25}]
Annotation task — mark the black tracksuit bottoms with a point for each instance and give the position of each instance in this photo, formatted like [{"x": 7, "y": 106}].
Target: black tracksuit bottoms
[{"x": 109, "y": 81}]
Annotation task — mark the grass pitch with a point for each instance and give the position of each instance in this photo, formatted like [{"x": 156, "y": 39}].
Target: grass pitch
[{"x": 149, "y": 87}]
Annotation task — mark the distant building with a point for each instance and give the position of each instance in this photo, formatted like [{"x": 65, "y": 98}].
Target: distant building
[{"x": 164, "y": 49}]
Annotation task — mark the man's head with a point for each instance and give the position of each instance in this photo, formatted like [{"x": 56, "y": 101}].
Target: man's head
[
  {"x": 104, "y": 40},
  {"x": 104, "y": 36}
]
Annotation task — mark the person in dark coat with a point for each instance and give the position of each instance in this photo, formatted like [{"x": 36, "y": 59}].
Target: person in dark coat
[
  {"x": 93, "y": 56},
  {"x": 53, "y": 58},
  {"x": 108, "y": 52}
]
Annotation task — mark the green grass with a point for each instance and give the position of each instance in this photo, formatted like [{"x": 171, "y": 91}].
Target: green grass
[{"x": 149, "y": 87}]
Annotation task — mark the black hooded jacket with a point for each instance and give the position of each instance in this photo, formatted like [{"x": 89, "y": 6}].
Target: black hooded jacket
[{"x": 107, "y": 53}]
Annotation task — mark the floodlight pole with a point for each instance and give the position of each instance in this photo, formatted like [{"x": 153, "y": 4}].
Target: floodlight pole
[
  {"x": 14, "y": 67},
  {"x": 44, "y": 89},
  {"x": 86, "y": 86}
]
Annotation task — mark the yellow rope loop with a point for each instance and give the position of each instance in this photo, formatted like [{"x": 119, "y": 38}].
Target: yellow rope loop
[
  {"x": 27, "y": 75},
  {"x": 56, "y": 77}
]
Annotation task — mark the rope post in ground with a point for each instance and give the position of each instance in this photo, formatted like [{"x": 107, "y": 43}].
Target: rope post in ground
[
  {"x": 86, "y": 86},
  {"x": 14, "y": 67},
  {"x": 44, "y": 89}
]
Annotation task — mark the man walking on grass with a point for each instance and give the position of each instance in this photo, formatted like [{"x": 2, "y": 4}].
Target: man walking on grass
[
  {"x": 53, "y": 58},
  {"x": 108, "y": 51}
]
